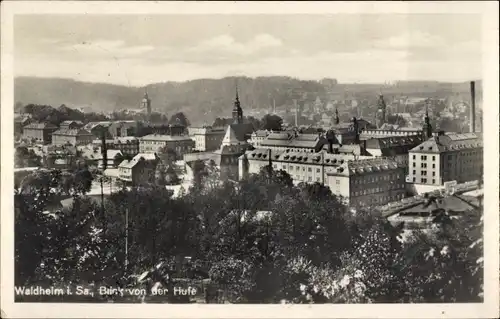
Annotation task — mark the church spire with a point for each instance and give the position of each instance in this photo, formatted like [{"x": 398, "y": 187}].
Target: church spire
[
  {"x": 237, "y": 110},
  {"x": 427, "y": 128}
]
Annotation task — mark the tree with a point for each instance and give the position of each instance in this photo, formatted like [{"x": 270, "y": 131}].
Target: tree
[
  {"x": 26, "y": 158},
  {"x": 271, "y": 122},
  {"x": 179, "y": 118}
]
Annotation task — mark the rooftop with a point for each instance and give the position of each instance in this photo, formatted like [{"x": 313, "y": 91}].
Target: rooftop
[
  {"x": 40, "y": 126},
  {"x": 449, "y": 142},
  {"x": 161, "y": 137},
  {"x": 73, "y": 132}
]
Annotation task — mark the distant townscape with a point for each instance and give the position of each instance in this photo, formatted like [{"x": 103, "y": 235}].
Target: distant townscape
[{"x": 267, "y": 190}]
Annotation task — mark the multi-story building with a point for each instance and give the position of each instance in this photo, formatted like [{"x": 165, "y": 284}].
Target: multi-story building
[
  {"x": 71, "y": 137},
  {"x": 39, "y": 132},
  {"x": 371, "y": 182},
  {"x": 447, "y": 157},
  {"x": 155, "y": 143},
  {"x": 128, "y": 145},
  {"x": 302, "y": 166},
  {"x": 206, "y": 138},
  {"x": 139, "y": 170}
]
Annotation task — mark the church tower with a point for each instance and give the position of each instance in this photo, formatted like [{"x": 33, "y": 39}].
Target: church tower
[
  {"x": 381, "y": 109},
  {"x": 146, "y": 104},
  {"x": 427, "y": 128},
  {"x": 337, "y": 118},
  {"x": 237, "y": 111}
]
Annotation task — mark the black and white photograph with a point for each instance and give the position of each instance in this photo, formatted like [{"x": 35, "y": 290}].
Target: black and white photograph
[{"x": 243, "y": 158}]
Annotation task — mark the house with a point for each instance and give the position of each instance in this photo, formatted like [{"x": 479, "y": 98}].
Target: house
[
  {"x": 139, "y": 170},
  {"x": 155, "y": 143},
  {"x": 70, "y": 125},
  {"x": 39, "y": 132},
  {"x": 206, "y": 138},
  {"x": 72, "y": 137}
]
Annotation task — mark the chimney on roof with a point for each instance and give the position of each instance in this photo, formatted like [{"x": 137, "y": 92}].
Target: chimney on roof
[{"x": 472, "y": 108}]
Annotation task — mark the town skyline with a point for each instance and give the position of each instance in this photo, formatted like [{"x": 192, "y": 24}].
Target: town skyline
[{"x": 142, "y": 49}]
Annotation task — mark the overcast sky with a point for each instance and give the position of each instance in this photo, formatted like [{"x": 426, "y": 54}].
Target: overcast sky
[{"x": 138, "y": 50}]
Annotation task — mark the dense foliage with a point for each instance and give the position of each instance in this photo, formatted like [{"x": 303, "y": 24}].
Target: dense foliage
[{"x": 262, "y": 239}]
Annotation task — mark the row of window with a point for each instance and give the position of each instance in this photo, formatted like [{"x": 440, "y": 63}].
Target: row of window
[
  {"x": 423, "y": 180},
  {"x": 423, "y": 173},
  {"x": 424, "y": 157},
  {"x": 373, "y": 190},
  {"x": 377, "y": 178}
]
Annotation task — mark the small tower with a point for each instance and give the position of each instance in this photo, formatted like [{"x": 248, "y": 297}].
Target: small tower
[
  {"x": 381, "y": 109},
  {"x": 146, "y": 104},
  {"x": 237, "y": 111},
  {"x": 337, "y": 118},
  {"x": 427, "y": 128}
]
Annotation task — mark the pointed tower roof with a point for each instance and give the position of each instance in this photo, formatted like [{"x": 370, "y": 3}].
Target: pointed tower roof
[{"x": 230, "y": 138}]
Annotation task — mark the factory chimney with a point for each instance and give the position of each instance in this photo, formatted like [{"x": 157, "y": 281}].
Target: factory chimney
[
  {"x": 472, "y": 108},
  {"x": 296, "y": 113}
]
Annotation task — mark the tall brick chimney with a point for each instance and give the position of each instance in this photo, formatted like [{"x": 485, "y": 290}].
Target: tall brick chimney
[{"x": 472, "y": 108}]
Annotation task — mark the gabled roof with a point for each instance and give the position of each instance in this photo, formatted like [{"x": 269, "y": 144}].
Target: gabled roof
[
  {"x": 71, "y": 122},
  {"x": 137, "y": 159},
  {"x": 449, "y": 142},
  {"x": 394, "y": 145},
  {"x": 40, "y": 126},
  {"x": 73, "y": 132},
  {"x": 237, "y": 134}
]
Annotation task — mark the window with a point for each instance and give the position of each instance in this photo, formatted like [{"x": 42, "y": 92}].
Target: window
[
  {"x": 317, "y": 179},
  {"x": 414, "y": 164},
  {"x": 309, "y": 179},
  {"x": 433, "y": 173},
  {"x": 337, "y": 182},
  {"x": 297, "y": 168},
  {"x": 433, "y": 158},
  {"x": 414, "y": 157},
  {"x": 309, "y": 169},
  {"x": 433, "y": 165},
  {"x": 423, "y": 173},
  {"x": 424, "y": 180},
  {"x": 423, "y": 165},
  {"x": 414, "y": 172},
  {"x": 317, "y": 170},
  {"x": 433, "y": 181},
  {"x": 423, "y": 157},
  {"x": 303, "y": 169},
  {"x": 414, "y": 179}
]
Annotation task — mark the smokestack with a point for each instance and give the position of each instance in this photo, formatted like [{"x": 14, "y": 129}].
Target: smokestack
[
  {"x": 296, "y": 113},
  {"x": 104, "y": 151},
  {"x": 472, "y": 107}
]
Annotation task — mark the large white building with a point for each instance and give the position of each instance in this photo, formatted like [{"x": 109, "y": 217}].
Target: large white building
[
  {"x": 358, "y": 179},
  {"x": 446, "y": 157}
]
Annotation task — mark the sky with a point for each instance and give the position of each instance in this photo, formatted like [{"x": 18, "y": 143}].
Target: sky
[{"x": 136, "y": 50}]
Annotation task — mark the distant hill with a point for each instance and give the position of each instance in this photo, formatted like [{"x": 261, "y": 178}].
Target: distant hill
[{"x": 203, "y": 100}]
